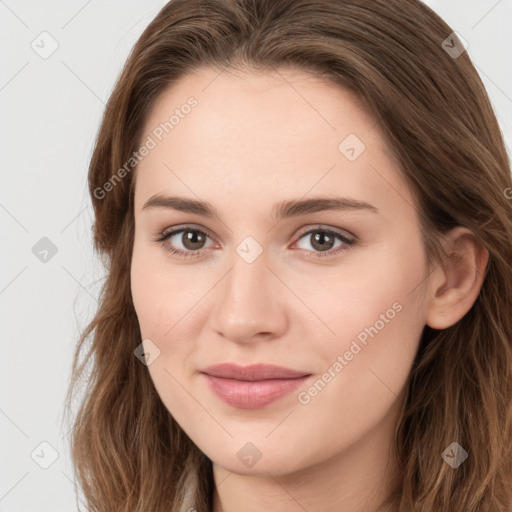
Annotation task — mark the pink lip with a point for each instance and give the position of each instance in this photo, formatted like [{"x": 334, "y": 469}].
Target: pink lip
[{"x": 252, "y": 387}]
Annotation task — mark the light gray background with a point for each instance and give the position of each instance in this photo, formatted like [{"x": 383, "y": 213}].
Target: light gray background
[{"x": 50, "y": 110}]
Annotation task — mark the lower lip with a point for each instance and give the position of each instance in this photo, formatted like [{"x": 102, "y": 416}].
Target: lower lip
[{"x": 252, "y": 395}]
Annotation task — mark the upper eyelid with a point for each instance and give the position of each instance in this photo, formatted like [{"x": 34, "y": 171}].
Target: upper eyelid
[
  {"x": 176, "y": 229},
  {"x": 337, "y": 231},
  {"x": 191, "y": 227}
]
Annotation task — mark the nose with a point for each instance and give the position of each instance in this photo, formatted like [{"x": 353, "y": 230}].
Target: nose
[{"x": 250, "y": 303}]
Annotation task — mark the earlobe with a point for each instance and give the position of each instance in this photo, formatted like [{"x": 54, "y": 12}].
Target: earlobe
[{"x": 455, "y": 288}]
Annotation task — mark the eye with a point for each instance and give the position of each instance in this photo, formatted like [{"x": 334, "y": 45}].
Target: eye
[
  {"x": 192, "y": 241},
  {"x": 323, "y": 242}
]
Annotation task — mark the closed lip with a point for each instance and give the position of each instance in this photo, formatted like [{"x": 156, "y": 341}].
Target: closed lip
[{"x": 252, "y": 373}]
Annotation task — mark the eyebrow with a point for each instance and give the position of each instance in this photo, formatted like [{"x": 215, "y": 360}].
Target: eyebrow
[{"x": 282, "y": 210}]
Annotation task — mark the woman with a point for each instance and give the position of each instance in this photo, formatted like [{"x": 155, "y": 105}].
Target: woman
[{"x": 303, "y": 210}]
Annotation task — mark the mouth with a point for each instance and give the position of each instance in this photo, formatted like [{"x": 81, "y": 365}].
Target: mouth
[{"x": 252, "y": 387}]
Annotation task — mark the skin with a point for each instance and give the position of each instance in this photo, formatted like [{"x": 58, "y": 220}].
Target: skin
[{"x": 255, "y": 139}]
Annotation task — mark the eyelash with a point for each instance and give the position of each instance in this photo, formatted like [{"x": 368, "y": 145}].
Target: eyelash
[{"x": 164, "y": 235}]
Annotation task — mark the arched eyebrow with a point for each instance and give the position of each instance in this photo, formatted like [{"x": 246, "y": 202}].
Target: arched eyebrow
[{"x": 280, "y": 211}]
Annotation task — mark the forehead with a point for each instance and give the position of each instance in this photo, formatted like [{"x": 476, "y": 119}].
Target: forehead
[
  {"x": 240, "y": 136},
  {"x": 287, "y": 102}
]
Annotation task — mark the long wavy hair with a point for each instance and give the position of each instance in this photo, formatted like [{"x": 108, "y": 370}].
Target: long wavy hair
[{"x": 398, "y": 56}]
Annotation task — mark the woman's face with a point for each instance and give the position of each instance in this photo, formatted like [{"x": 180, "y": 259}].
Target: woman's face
[{"x": 308, "y": 256}]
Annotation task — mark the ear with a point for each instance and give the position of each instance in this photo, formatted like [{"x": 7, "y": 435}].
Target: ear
[{"x": 455, "y": 288}]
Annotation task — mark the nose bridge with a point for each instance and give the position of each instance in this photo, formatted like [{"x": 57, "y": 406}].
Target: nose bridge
[
  {"x": 246, "y": 286},
  {"x": 248, "y": 302}
]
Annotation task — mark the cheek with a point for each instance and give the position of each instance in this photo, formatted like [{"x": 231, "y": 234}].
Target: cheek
[
  {"x": 144, "y": 295},
  {"x": 163, "y": 301},
  {"x": 377, "y": 287},
  {"x": 363, "y": 374},
  {"x": 375, "y": 309},
  {"x": 159, "y": 306},
  {"x": 378, "y": 317},
  {"x": 160, "y": 296}
]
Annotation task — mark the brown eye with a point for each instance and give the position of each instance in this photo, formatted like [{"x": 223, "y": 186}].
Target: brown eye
[
  {"x": 184, "y": 242},
  {"x": 193, "y": 239},
  {"x": 324, "y": 241}
]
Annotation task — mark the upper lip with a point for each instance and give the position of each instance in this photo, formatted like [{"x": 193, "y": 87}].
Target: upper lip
[{"x": 254, "y": 372}]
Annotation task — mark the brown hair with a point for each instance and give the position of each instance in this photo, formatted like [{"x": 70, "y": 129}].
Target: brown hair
[{"x": 128, "y": 452}]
